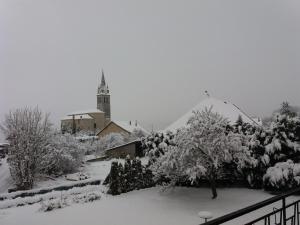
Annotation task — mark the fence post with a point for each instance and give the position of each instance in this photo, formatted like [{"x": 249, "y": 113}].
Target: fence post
[{"x": 283, "y": 211}]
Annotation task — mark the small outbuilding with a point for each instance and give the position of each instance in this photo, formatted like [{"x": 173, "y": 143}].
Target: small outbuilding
[{"x": 133, "y": 149}]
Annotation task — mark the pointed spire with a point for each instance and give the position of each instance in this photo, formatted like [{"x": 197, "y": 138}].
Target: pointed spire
[
  {"x": 103, "y": 87},
  {"x": 102, "y": 79}
]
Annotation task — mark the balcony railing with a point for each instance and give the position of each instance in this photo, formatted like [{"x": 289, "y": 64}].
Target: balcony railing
[{"x": 288, "y": 214}]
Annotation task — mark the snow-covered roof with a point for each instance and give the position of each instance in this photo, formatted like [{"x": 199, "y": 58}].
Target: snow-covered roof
[
  {"x": 77, "y": 117},
  {"x": 130, "y": 126},
  {"x": 83, "y": 114},
  {"x": 225, "y": 108},
  {"x": 4, "y": 143},
  {"x": 86, "y": 112},
  {"x": 124, "y": 144},
  {"x": 86, "y": 137}
]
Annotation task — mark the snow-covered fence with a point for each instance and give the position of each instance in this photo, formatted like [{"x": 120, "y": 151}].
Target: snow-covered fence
[{"x": 39, "y": 191}]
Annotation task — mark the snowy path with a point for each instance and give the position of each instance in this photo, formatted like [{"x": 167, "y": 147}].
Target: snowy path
[{"x": 143, "y": 207}]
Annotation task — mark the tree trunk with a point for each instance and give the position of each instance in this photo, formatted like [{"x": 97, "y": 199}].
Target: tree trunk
[
  {"x": 213, "y": 187},
  {"x": 213, "y": 184}
]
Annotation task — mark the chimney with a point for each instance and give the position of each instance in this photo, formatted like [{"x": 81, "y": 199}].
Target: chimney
[
  {"x": 136, "y": 123},
  {"x": 130, "y": 122}
]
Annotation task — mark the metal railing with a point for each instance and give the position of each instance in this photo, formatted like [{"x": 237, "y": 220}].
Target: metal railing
[{"x": 276, "y": 217}]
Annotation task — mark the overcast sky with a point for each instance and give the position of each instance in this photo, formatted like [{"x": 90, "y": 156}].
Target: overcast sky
[{"x": 158, "y": 56}]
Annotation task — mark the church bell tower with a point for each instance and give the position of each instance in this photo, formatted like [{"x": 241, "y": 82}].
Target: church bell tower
[{"x": 103, "y": 98}]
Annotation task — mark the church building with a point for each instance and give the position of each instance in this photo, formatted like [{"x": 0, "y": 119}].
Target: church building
[
  {"x": 98, "y": 121},
  {"x": 92, "y": 120}
]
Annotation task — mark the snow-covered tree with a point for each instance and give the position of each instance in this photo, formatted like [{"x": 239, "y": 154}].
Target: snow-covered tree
[
  {"x": 287, "y": 110},
  {"x": 200, "y": 149},
  {"x": 127, "y": 176},
  {"x": 255, "y": 165},
  {"x": 64, "y": 154},
  {"x": 114, "y": 179},
  {"x": 284, "y": 140},
  {"x": 28, "y": 131},
  {"x": 239, "y": 121}
]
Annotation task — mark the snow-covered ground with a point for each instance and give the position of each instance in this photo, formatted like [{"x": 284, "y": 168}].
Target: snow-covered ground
[{"x": 143, "y": 207}]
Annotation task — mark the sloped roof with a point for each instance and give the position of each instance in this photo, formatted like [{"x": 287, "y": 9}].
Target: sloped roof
[
  {"x": 225, "y": 108},
  {"x": 77, "y": 117},
  {"x": 81, "y": 112},
  {"x": 130, "y": 126},
  {"x": 125, "y": 125}
]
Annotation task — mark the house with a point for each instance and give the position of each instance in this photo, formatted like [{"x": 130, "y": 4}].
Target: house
[
  {"x": 91, "y": 120},
  {"x": 122, "y": 127},
  {"x": 224, "y": 108}
]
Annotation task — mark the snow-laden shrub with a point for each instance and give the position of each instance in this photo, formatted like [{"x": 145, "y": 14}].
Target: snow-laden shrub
[
  {"x": 282, "y": 176},
  {"x": 52, "y": 204},
  {"x": 87, "y": 197},
  {"x": 284, "y": 137},
  {"x": 65, "y": 154},
  {"x": 155, "y": 144},
  {"x": 66, "y": 200},
  {"x": 255, "y": 163},
  {"x": 132, "y": 176}
]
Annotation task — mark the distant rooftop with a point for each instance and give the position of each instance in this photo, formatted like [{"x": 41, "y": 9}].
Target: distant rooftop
[
  {"x": 224, "y": 108},
  {"x": 130, "y": 126},
  {"x": 81, "y": 112},
  {"x": 77, "y": 117}
]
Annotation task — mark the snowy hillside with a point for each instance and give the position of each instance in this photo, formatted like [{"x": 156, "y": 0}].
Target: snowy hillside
[{"x": 225, "y": 108}]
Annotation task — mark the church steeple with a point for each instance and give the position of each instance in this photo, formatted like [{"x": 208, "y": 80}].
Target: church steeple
[
  {"x": 102, "y": 79},
  {"x": 103, "y": 88},
  {"x": 103, "y": 98}
]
